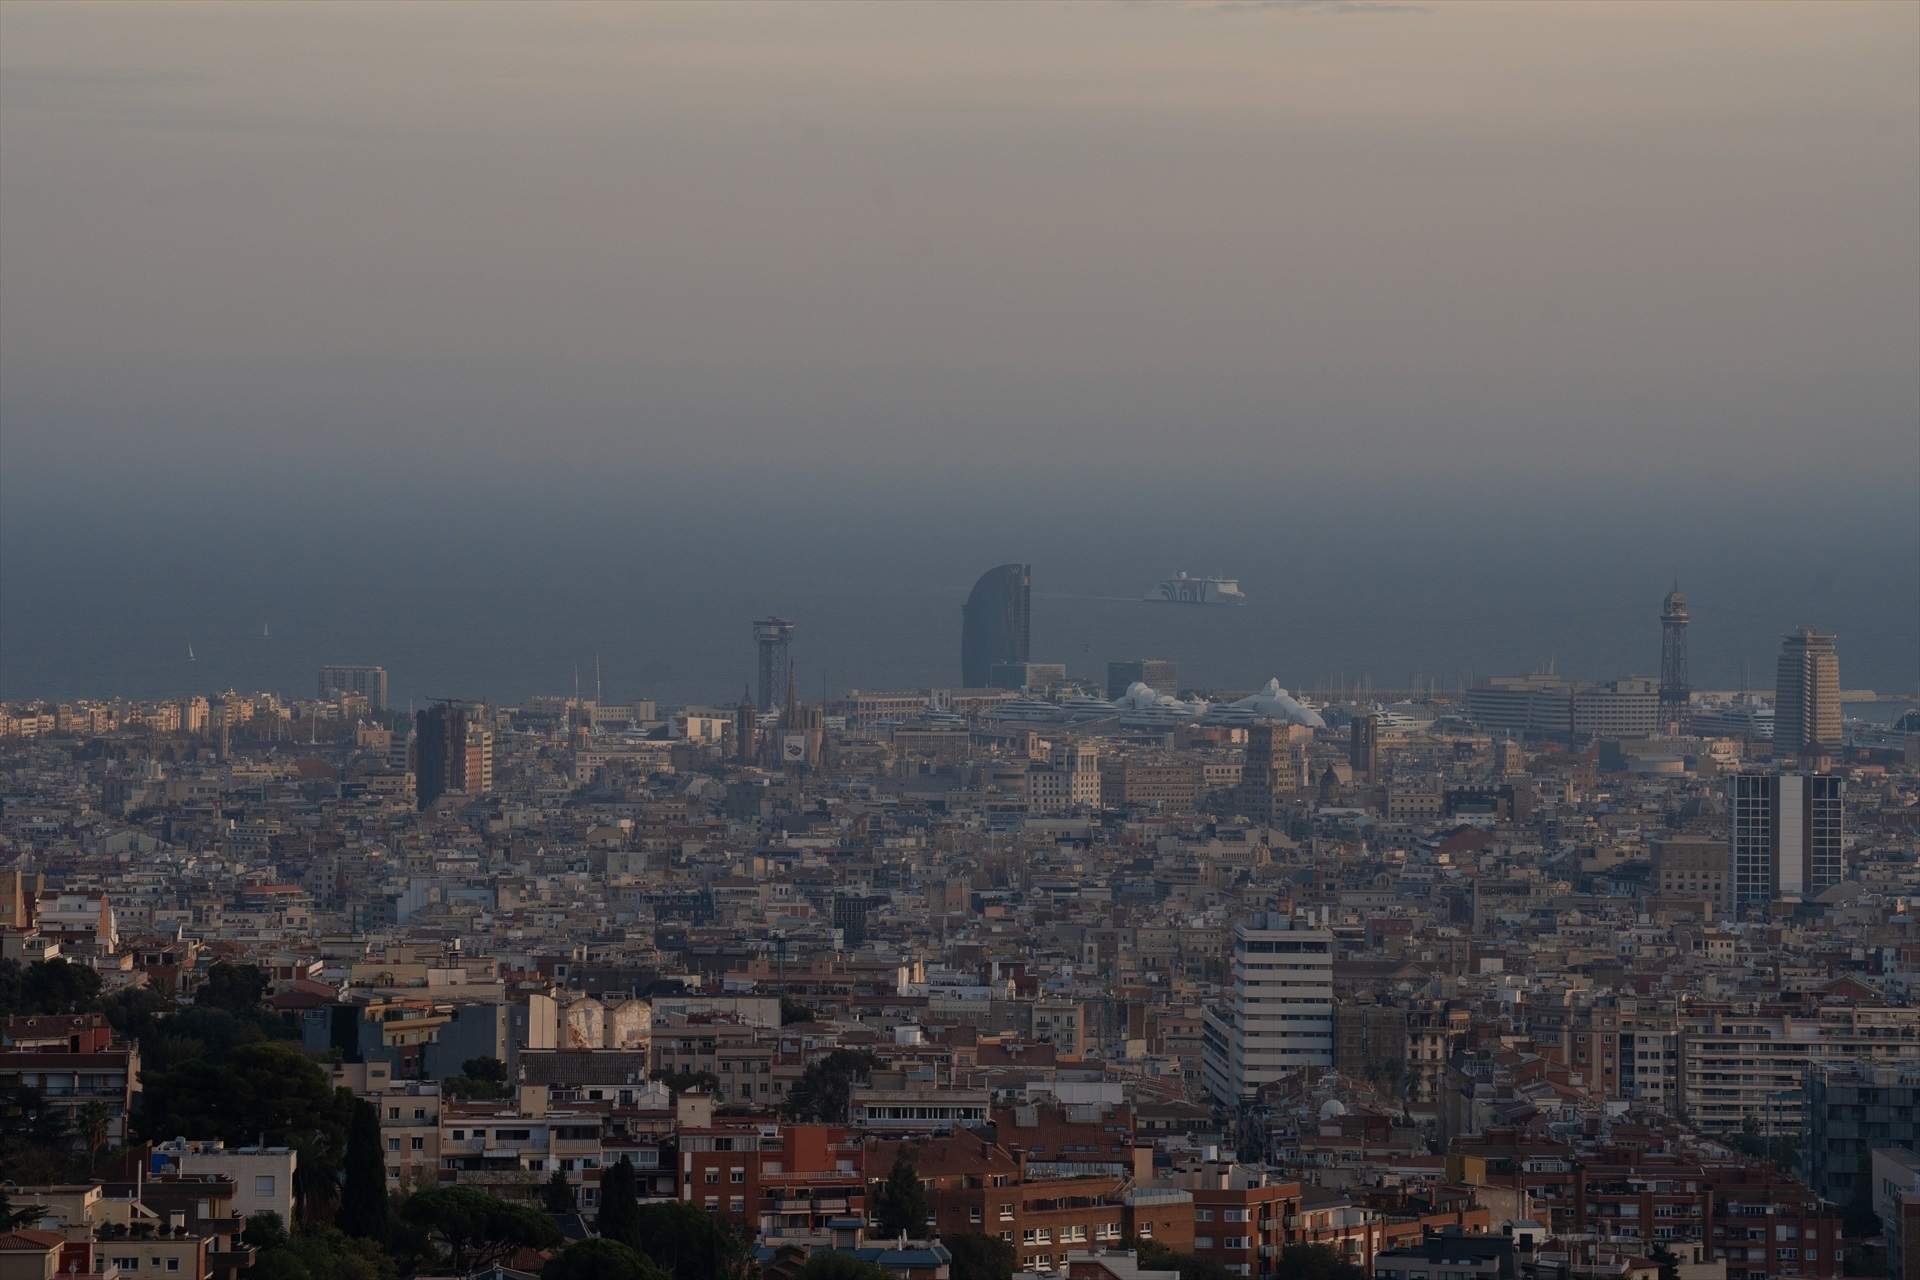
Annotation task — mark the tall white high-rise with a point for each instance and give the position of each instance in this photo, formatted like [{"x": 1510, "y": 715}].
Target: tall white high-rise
[
  {"x": 1787, "y": 837},
  {"x": 1281, "y": 1015}
]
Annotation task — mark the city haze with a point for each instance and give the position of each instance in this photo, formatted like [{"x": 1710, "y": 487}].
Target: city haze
[{"x": 476, "y": 348}]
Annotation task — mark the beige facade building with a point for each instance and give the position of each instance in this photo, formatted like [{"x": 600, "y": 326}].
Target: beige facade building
[{"x": 1806, "y": 697}]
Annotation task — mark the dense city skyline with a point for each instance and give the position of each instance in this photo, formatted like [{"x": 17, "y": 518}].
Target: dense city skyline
[{"x": 1062, "y": 640}]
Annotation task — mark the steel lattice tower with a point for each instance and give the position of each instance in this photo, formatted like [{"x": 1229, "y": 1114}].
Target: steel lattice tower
[
  {"x": 1675, "y": 691},
  {"x": 774, "y": 636}
]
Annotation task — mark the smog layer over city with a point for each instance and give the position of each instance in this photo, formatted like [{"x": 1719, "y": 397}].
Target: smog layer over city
[{"x": 1136, "y": 640}]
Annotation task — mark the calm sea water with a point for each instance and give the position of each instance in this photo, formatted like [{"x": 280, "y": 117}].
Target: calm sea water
[{"x": 492, "y": 599}]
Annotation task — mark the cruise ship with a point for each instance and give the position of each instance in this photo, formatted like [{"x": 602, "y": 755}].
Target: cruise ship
[
  {"x": 1744, "y": 717},
  {"x": 1181, "y": 589}
]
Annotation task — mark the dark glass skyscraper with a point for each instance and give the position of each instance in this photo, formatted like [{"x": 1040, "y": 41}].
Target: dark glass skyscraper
[
  {"x": 439, "y": 751},
  {"x": 995, "y": 623}
]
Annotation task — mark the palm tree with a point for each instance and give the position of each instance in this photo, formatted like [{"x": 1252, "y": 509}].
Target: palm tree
[
  {"x": 316, "y": 1178},
  {"x": 12, "y": 1219},
  {"x": 92, "y": 1122}
]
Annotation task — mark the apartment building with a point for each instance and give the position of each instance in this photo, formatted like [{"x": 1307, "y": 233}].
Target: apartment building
[
  {"x": 1896, "y": 1202},
  {"x": 510, "y": 1148},
  {"x": 409, "y": 1120},
  {"x": 1449, "y": 1255},
  {"x": 262, "y": 1176},
  {"x": 1740, "y": 1066},
  {"x": 1854, "y": 1110},
  {"x": 1241, "y": 1217},
  {"x": 1280, "y": 1018},
  {"x": 1127, "y": 783},
  {"x": 893, "y": 1105},
  {"x": 72, "y": 1061},
  {"x": 787, "y": 1181},
  {"x": 1760, "y": 1223}
]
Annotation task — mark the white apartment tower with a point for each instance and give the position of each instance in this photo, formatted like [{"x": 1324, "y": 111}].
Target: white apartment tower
[{"x": 1281, "y": 1015}]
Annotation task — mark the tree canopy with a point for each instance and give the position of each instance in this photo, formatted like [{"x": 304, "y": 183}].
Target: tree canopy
[
  {"x": 619, "y": 1217},
  {"x": 47, "y": 987},
  {"x": 1157, "y": 1257},
  {"x": 600, "y": 1260},
  {"x": 557, "y": 1195},
  {"x": 824, "y": 1091},
  {"x": 977, "y": 1256},
  {"x": 824, "y": 1264},
  {"x": 237, "y": 988},
  {"x": 900, "y": 1206},
  {"x": 313, "y": 1254},
  {"x": 363, "y": 1201},
  {"x": 1317, "y": 1262},
  {"x": 475, "y": 1230},
  {"x": 688, "y": 1242},
  {"x": 478, "y": 1078},
  {"x": 258, "y": 1090}
]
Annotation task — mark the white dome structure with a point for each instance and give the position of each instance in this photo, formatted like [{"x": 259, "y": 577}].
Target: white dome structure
[
  {"x": 1141, "y": 704},
  {"x": 1271, "y": 703}
]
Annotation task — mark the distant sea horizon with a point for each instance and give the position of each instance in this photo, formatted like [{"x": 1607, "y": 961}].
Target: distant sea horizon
[{"x": 502, "y": 597}]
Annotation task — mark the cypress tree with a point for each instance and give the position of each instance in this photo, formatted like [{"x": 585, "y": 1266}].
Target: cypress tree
[
  {"x": 363, "y": 1203},
  {"x": 619, "y": 1218}
]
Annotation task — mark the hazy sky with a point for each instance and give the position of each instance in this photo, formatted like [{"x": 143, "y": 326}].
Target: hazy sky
[{"x": 354, "y": 260}]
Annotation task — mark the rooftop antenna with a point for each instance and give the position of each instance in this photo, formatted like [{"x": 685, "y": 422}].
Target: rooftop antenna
[{"x": 596, "y": 677}]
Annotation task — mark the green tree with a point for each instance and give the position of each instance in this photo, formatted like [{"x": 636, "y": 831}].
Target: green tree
[
  {"x": 363, "y": 1201},
  {"x": 319, "y": 1157},
  {"x": 1317, "y": 1262},
  {"x": 900, "y": 1208},
  {"x": 689, "y": 1243},
  {"x": 684, "y": 1081},
  {"x": 826, "y": 1265},
  {"x": 237, "y": 988},
  {"x": 36, "y": 1144},
  {"x": 135, "y": 1013},
  {"x": 619, "y": 1217},
  {"x": 476, "y": 1230},
  {"x": 1667, "y": 1260},
  {"x": 825, "y": 1089},
  {"x": 600, "y": 1260},
  {"x": 558, "y": 1194},
  {"x": 198, "y": 1031},
  {"x": 50, "y": 987},
  {"x": 92, "y": 1123},
  {"x": 792, "y": 1011},
  {"x": 478, "y": 1078},
  {"x": 11, "y": 1218},
  {"x": 1157, "y": 1257},
  {"x": 485, "y": 1069},
  {"x": 980, "y": 1257},
  {"x": 265, "y": 1231},
  {"x": 258, "y": 1090},
  {"x": 318, "y": 1253}
]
